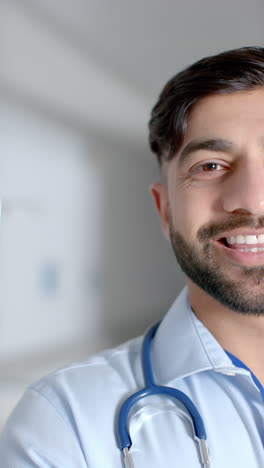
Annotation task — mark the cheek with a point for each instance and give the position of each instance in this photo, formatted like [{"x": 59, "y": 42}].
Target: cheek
[{"x": 189, "y": 212}]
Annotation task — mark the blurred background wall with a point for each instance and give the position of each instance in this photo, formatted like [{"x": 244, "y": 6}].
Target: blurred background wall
[{"x": 83, "y": 263}]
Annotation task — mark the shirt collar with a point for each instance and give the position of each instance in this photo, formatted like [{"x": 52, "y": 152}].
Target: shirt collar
[{"x": 183, "y": 346}]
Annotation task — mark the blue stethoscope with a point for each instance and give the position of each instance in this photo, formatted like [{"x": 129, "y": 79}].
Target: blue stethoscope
[{"x": 150, "y": 389}]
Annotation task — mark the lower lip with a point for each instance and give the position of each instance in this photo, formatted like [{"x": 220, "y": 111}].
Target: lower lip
[{"x": 244, "y": 258}]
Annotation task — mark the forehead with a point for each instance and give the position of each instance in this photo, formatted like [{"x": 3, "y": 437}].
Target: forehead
[{"x": 226, "y": 113}]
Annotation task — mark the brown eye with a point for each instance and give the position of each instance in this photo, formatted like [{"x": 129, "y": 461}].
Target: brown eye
[{"x": 210, "y": 166}]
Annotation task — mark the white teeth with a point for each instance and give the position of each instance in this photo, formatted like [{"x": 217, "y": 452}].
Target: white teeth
[
  {"x": 254, "y": 250},
  {"x": 246, "y": 239},
  {"x": 251, "y": 239}
]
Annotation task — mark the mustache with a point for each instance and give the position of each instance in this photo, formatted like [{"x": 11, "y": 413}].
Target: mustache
[{"x": 212, "y": 230}]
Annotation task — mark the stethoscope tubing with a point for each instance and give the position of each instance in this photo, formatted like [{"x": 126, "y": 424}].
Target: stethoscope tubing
[{"x": 151, "y": 389}]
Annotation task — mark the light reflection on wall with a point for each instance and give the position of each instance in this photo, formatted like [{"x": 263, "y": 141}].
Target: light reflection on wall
[{"x": 47, "y": 180}]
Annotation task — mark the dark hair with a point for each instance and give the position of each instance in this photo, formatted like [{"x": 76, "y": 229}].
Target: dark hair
[{"x": 232, "y": 71}]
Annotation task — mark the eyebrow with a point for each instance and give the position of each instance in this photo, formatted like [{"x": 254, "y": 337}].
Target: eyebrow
[{"x": 212, "y": 144}]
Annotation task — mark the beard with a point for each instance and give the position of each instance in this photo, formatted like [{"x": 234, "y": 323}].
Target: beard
[{"x": 245, "y": 294}]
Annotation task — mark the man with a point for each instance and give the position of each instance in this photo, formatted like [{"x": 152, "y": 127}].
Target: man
[{"x": 207, "y": 130}]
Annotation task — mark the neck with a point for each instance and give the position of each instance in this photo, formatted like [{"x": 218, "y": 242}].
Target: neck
[{"x": 240, "y": 334}]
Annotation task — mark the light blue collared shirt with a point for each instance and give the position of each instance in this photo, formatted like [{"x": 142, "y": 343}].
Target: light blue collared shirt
[{"x": 68, "y": 419}]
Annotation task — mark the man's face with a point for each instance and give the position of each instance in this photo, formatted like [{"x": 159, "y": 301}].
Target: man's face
[{"x": 214, "y": 190}]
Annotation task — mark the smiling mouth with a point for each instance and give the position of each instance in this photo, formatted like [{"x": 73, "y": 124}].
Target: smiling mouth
[{"x": 239, "y": 247}]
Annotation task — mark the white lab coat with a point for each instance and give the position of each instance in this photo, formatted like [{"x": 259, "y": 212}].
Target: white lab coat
[{"x": 68, "y": 419}]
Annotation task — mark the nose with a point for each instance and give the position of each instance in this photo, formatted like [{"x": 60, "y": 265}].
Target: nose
[{"x": 244, "y": 189}]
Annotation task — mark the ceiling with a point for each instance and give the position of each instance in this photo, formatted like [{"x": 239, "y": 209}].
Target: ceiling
[{"x": 147, "y": 41}]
